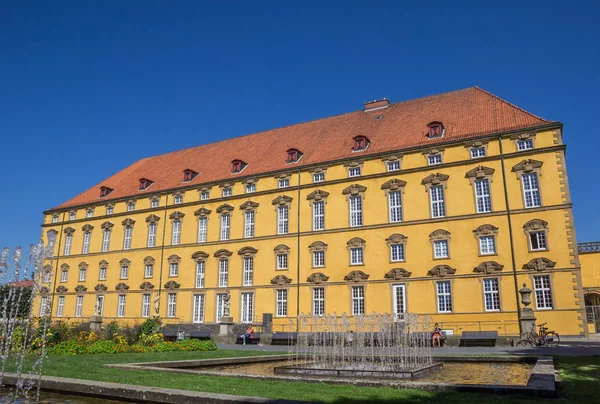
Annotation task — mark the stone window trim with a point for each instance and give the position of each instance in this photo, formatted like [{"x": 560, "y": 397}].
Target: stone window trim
[
  {"x": 154, "y": 198},
  {"x": 528, "y": 166},
  {"x": 152, "y": 219},
  {"x": 249, "y": 206},
  {"x": 80, "y": 289},
  {"x": 476, "y": 145},
  {"x": 249, "y": 181},
  {"x": 225, "y": 209},
  {"x": 354, "y": 164},
  {"x": 391, "y": 159},
  {"x": 72, "y": 212},
  {"x": 395, "y": 184},
  {"x": 149, "y": 260},
  {"x": 174, "y": 259},
  {"x": 69, "y": 231},
  {"x": 87, "y": 228},
  {"x": 100, "y": 287},
  {"x": 317, "y": 196},
  {"x": 284, "y": 176},
  {"x": 536, "y": 225},
  {"x": 480, "y": 173},
  {"x": 318, "y": 170},
  {"x": 396, "y": 274},
  {"x": 396, "y": 239},
  {"x": 223, "y": 254},
  {"x": 226, "y": 185},
  {"x": 488, "y": 268},
  {"x": 354, "y": 190},
  {"x": 202, "y": 212},
  {"x": 122, "y": 287},
  {"x": 435, "y": 179},
  {"x": 539, "y": 264},
  {"x": 130, "y": 202},
  {"x": 64, "y": 267},
  {"x": 356, "y": 276},
  {"x": 282, "y": 200},
  {"x": 523, "y": 136},
  {"x": 204, "y": 189},
  {"x": 129, "y": 222},
  {"x": 83, "y": 265},
  {"x": 56, "y": 216},
  {"x": 280, "y": 280},
  {"x": 110, "y": 205},
  {"x": 62, "y": 289},
  {"x": 317, "y": 246},
  {"x": 356, "y": 242},
  {"x": 44, "y": 291},
  {"x": 103, "y": 264},
  {"x": 146, "y": 286},
  {"x": 176, "y": 194},
  {"x": 317, "y": 278},
  {"x": 499, "y": 280},
  {"x": 200, "y": 256},
  {"x": 247, "y": 252},
  {"x": 440, "y": 234},
  {"x": 89, "y": 209},
  {"x": 282, "y": 249},
  {"x": 177, "y": 215},
  {"x": 107, "y": 225},
  {"x": 486, "y": 230},
  {"x": 552, "y": 291},
  {"x": 441, "y": 271},
  {"x": 432, "y": 152},
  {"x": 172, "y": 285}
]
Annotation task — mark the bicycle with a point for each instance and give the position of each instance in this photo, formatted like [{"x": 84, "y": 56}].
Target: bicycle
[{"x": 542, "y": 338}]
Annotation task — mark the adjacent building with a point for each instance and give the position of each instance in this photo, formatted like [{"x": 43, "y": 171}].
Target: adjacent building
[{"x": 444, "y": 205}]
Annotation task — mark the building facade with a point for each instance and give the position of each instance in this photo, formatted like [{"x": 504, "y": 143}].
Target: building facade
[{"x": 444, "y": 205}]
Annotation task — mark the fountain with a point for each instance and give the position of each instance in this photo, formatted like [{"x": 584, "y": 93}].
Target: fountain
[
  {"x": 20, "y": 328},
  {"x": 381, "y": 345}
]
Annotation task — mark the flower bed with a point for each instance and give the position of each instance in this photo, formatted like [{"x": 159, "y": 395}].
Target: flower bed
[{"x": 74, "y": 347}]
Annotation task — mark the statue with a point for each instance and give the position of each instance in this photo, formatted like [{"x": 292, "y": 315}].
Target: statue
[
  {"x": 97, "y": 309},
  {"x": 226, "y": 305},
  {"x": 157, "y": 304}
]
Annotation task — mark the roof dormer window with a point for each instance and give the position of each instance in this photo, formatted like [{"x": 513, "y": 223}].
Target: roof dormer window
[
  {"x": 145, "y": 183},
  {"x": 360, "y": 143},
  {"x": 189, "y": 175},
  {"x": 237, "y": 166},
  {"x": 293, "y": 155},
  {"x": 104, "y": 191},
  {"x": 436, "y": 129}
]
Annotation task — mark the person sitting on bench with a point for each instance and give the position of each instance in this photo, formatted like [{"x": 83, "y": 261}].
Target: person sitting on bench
[
  {"x": 249, "y": 333},
  {"x": 437, "y": 335}
]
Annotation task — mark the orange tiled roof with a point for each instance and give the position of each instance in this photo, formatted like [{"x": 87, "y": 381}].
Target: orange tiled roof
[{"x": 467, "y": 113}]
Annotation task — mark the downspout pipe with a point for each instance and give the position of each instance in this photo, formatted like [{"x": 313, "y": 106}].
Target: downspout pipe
[
  {"x": 298, "y": 257},
  {"x": 162, "y": 249}
]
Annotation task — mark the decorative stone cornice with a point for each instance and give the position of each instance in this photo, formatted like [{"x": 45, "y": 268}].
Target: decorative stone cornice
[
  {"x": 205, "y": 188},
  {"x": 86, "y": 228},
  {"x": 488, "y": 267},
  {"x": 249, "y": 205},
  {"x": 44, "y": 290},
  {"x": 282, "y": 200},
  {"x": 122, "y": 287},
  {"x": 152, "y": 219},
  {"x": 226, "y": 185},
  {"x": 247, "y": 251},
  {"x": 354, "y": 190},
  {"x": 356, "y": 242},
  {"x": 476, "y": 143},
  {"x": 395, "y": 157},
  {"x": 83, "y": 265},
  {"x": 352, "y": 164},
  {"x": 64, "y": 267},
  {"x": 281, "y": 249},
  {"x": 540, "y": 264},
  {"x": 317, "y": 278},
  {"x": 435, "y": 179},
  {"x": 283, "y": 176},
  {"x": 202, "y": 212},
  {"x": 317, "y": 170},
  {"x": 394, "y": 184},
  {"x": 199, "y": 256},
  {"x": 224, "y": 209},
  {"x": 172, "y": 285},
  {"x": 396, "y": 238},
  {"x": 103, "y": 264},
  {"x": 397, "y": 274},
  {"x": 317, "y": 246},
  {"x": 107, "y": 225},
  {"x": 523, "y": 136},
  {"x": 69, "y": 231},
  {"x": 318, "y": 195},
  {"x": 441, "y": 270},
  {"x": 439, "y": 234},
  {"x": 249, "y": 181},
  {"x": 100, "y": 287},
  {"x": 47, "y": 268},
  {"x": 80, "y": 288},
  {"x": 222, "y": 253},
  {"x": 535, "y": 225},
  {"x": 177, "y": 215},
  {"x": 174, "y": 259},
  {"x": 280, "y": 280},
  {"x": 128, "y": 222},
  {"x": 485, "y": 230},
  {"x": 146, "y": 286},
  {"x": 356, "y": 276},
  {"x": 62, "y": 289},
  {"x": 149, "y": 260},
  {"x": 125, "y": 262},
  {"x": 480, "y": 173},
  {"x": 527, "y": 166}
]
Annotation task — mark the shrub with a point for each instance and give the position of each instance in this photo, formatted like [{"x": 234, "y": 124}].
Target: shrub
[
  {"x": 151, "y": 339},
  {"x": 110, "y": 331},
  {"x": 70, "y": 347},
  {"x": 151, "y": 326},
  {"x": 131, "y": 333}
]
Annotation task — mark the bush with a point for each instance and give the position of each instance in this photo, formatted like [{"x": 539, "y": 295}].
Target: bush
[
  {"x": 70, "y": 347},
  {"x": 151, "y": 326},
  {"x": 187, "y": 345},
  {"x": 151, "y": 339}
]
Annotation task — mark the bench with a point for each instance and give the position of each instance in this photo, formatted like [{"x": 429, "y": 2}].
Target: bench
[
  {"x": 200, "y": 334},
  {"x": 254, "y": 340},
  {"x": 284, "y": 338},
  {"x": 425, "y": 337},
  {"x": 170, "y": 335},
  {"x": 478, "y": 338}
]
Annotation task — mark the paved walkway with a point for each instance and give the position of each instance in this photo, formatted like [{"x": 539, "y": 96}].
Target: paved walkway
[{"x": 572, "y": 347}]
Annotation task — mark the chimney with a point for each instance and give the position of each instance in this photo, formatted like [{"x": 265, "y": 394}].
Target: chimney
[{"x": 376, "y": 104}]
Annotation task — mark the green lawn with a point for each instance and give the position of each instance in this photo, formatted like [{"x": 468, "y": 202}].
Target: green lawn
[{"x": 580, "y": 378}]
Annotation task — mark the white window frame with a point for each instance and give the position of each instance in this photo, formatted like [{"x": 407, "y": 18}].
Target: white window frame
[
  {"x": 171, "y": 304},
  {"x": 541, "y": 240},
  {"x": 174, "y": 269},
  {"x": 318, "y": 301},
  {"x": 354, "y": 172},
  {"x": 281, "y": 303},
  {"x": 434, "y": 159},
  {"x": 318, "y": 259},
  {"x": 543, "y": 292},
  {"x": 487, "y": 245},
  {"x": 397, "y": 253},
  {"x": 248, "y": 271},
  {"x": 200, "y": 274},
  {"x": 82, "y": 274},
  {"x": 439, "y": 247},
  {"x": 130, "y": 206},
  {"x": 124, "y": 274},
  {"x": 106, "y": 240},
  {"x": 283, "y": 219},
  {"x": 225, "y": 192},
  {"x": 199, "y": 307},
  {"x": 46, "y": 276},
  {"x": 531, "y": 190},
  {"x": 393, "y": 165},
  {"x": 357, "y": 256},
  {"x": 86, "y": 242},
  {"x": 72, "y": 216},
  {"x": 318, "y": 177},
  {"x": 54, "y": 219},
  {"x": 399, "y": 296},
  {"x": 437, "y": 200},
  {"x": 225, "y": 226},
  {"x": 89, "y": 213},
  {"x": 100, "y": 303},
  {"x": 283, "y": 183},
  {"x": 491, "y": 294},
  {"x": 146, "y": 305},
  {"x": 60, "y": 307},
  {"x": 526, "y": 144},
  {"x": 177, "y": 199},
  {"x": 395, "y": 206},
  {"x": 358, "y": 300},
  {"x": 121, "y": 301},
  {"x": 43, "y": 306},
  {"x": 247, "y": 303},
  {"x": 220, "y": 309},
  {"x": 79, "y": 306},
  {"x": 355, "y": 208},
  {"x": 102, "y": 274},
  {"x": 110, "y": 210},
  {"x": 318, "y": 209},
  {"x": 127, "y": 237},
  {"x": 152, "y": 227},
  {"x": 204, "y": 195},
  {"x": 483, "y": 197},
  {"x": 444, "y": 296},
  {"x": 64, "y": 276},
  {"x": 249, "y": 224},
  {"x": 68, "y": 244},
  {"x": 223, "y": 273},
  {"x": 477, "y": 152},
  {"x": 282, "y": 261},
  {"x": 176, "y": 233},
  {"x": 202, "y": 229},
  {"x": 154, "y": 203},
  {"x": 148, "y": 271},
  {"x": 250, "y": 188}
]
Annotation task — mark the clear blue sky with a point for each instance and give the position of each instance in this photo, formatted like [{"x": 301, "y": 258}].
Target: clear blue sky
[{"x": 89, "y": 87}]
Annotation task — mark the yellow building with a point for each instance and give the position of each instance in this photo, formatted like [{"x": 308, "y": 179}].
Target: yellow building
[
  {"x": 590, "y": 275},
  {"x": 443, "y": 205}
]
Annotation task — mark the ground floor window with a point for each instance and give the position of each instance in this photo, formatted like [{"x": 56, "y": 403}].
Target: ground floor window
[
  {"x": 399, "y": 299},
  {"x": 318, "y": 301},
  {"x": 146, "y": 305},
  {"x": 198, "y": 316},
  {"x": 358, "y": 300},
  {"x": 543, "y": 292},
  {"x": 491, "y": 294},
  {"x": 444, "y": 297},
  {"x": 247, "y": 307}
]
